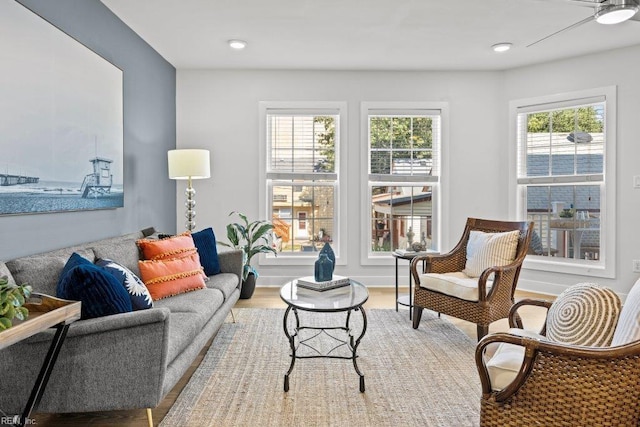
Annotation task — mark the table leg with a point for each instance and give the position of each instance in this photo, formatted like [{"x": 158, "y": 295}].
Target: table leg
[
  {"x": 292, "y": 343},
  {"x": 397, "y": 285},
  {"x": 45, "y": 373},
  {"x": 357, "y": 343}
]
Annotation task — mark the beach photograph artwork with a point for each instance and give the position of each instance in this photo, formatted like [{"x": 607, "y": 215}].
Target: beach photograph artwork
[{"x": 61, "y": 133}]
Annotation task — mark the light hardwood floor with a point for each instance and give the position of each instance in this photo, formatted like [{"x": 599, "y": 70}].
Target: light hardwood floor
[{"x": 267, "y": 298}]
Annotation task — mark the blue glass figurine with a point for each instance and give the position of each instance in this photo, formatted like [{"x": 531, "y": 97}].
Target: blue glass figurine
[
  {"x": 323, "y": 268},
  {"x": 326, "y": 249}
]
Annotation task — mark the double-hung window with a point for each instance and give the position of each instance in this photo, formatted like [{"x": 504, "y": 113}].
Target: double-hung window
[
  {"x": 565, "y": 180},
  {"x": 301, "y": 168},
  {"x": 400, "y": 202}
]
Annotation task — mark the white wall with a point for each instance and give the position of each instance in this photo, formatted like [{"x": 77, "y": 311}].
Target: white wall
[
  {"x": 218, "y": 110},
  {"x": 617, "y": 67}
]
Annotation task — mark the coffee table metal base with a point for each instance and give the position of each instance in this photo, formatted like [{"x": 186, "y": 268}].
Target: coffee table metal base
[{"x": 352, "y": 343}]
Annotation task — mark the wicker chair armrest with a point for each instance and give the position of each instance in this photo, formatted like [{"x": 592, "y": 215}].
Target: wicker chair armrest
[
  {"x": 500, "y": 279},
  {"x": 433, "y": 263},
  {"x": 571, "y": 354},
  {"x": 514, "y": 319}
]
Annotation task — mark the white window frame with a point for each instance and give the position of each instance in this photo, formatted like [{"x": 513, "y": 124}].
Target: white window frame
[
  {"x": 265, "y": 198},
  {"x": 605, "y": 267},
  {"x": 438, "y": 183}
]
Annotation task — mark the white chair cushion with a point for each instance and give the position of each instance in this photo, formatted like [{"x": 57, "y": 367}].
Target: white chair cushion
[
  {"x": 456, "y": 284},
  {"x": 584, "y": 314},
  {"x": 486, "y": 250},
  {"x": 628, "y": 328},
  {"x": 507, "y": 360}
]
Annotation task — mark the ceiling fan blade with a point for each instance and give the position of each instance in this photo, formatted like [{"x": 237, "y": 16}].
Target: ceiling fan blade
[
  {"x": 570, "y": 27},
  {"x": 585, "y": 3}
]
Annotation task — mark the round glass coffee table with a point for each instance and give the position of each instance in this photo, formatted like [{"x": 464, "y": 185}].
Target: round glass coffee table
[{"x": 346, "y": 299}]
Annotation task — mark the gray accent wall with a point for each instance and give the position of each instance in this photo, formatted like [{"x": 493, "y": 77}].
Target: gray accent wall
[{"x": 149, "y": 84}]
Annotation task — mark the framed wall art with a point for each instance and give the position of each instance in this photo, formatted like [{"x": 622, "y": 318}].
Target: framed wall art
[{"x": 61, "y": 133}]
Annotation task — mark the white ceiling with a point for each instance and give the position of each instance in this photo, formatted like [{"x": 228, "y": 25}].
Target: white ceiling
[{"x": 367, "y": 34}]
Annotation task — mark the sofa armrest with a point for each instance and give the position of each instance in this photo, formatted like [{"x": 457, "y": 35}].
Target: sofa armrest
[
  {"x": 231, "y": 262},
  {"x": 108, "y": 324},
  {"x": 116, "y": 362}
]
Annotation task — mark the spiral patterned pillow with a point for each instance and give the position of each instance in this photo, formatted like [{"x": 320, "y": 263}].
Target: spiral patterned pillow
[{"x": 584, "y": 314}]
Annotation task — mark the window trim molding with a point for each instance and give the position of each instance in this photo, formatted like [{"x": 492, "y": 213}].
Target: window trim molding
[
  {"x": 517, "y": 204},
  {"x": 399, "y": 108},
  {"x": 340, "y": 192}
]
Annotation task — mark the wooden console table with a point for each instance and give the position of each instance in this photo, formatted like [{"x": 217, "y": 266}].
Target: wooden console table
[{"x": 44, "y": 312}]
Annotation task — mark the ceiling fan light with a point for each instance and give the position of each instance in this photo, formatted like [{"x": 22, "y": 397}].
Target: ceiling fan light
[
  {"x": 615, "y": 14},
  {"x": 501, "y": 47}
]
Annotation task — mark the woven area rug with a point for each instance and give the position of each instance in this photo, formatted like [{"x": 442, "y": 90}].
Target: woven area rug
[{"x": 424, "y": 377}]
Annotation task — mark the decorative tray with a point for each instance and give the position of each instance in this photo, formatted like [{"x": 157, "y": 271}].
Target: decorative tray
[{"x": 44, "y": 312}]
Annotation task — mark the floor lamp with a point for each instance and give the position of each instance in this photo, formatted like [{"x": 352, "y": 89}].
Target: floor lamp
[{"x": 189, "y": 164}]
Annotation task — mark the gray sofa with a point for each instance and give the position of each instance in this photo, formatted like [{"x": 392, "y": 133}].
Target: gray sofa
[{"x": 124, "y": 361}]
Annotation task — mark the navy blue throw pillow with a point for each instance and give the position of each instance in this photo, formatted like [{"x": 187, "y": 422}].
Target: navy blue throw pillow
[
  {"x": 73, "y": 261},
  {"x": 138, "y": 292},
  {"x": 101, "y": 293},
  {"x": 205, "y": 242}
]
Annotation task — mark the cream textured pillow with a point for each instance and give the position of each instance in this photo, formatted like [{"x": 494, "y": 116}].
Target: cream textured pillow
[
  {"x": 628, "y": 328},
  {"x": 584, "y": 314},
  {"x": 486, "y": 250}
]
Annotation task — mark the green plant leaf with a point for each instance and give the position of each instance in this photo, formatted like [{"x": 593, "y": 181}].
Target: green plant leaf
[
  {"x": 11, "y": 312},
  {"x": 22, "y": 313},
  {"x": 5, "y": 323},
  {"x": 4, "y": 307}
]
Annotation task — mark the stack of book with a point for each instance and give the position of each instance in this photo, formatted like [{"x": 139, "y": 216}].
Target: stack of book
[{"x": 309, "y": 282}]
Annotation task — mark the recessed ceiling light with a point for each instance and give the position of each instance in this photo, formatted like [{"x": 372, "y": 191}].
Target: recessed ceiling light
[
  {"x": 237, "y": 44},
  {"x": 501, "y": 47}
]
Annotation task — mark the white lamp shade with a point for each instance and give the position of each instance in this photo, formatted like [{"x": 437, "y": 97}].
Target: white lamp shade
[{"x": 189, "y": 163}]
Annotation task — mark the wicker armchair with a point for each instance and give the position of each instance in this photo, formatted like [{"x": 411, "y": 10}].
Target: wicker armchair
[
  {"x": 489, "y": 306},
  {"x": 562, "y": 384}
]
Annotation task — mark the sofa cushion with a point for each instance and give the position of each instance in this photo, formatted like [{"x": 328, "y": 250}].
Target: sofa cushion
[
  {"x": 205, "y": 242},
  {"x": 138, "y": 292},
  {"x": 122, "y": 250},
  {"x": 183, "y": 329},
  {"x": 227, "y": 283},
  {"x": 628, "y": 327},
  {"x": 486, "y": 250},
  {"x": 167, "y": 277},
  {"x": 584, "y": 314},
  {"x": 42, "y": 271},
  {"x": 101, "y": 294},
  {"x": 171, "y": 247},
  {"x": 204, "y": 302},
  {"x": 189, "y": 314},
  {"x": 456, "y": 284}
]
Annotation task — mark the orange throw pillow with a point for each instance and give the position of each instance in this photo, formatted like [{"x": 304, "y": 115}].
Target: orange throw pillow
[
  {"x": 172, "y": 247},
  {"x": 168, "y": 277}
]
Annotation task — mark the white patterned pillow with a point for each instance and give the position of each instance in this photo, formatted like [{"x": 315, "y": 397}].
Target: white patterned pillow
[
  {"x": 584, "y": 314},
  {"x": 628, "y": 328},
  {"x": 486, "y": 250}
]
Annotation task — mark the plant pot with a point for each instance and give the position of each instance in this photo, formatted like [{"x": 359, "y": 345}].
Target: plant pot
[{"x": 248, "y": 286}]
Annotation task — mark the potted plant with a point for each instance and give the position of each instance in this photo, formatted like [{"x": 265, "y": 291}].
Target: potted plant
[
  {"x": 252, "y": 238},
  {"x": 12, "y": 299}
]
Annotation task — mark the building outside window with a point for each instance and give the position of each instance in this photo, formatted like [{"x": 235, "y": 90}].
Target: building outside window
[
  {"x": 403, "y": 155},
  {"x": 564, "y": 146},
  {"x": 302, "y": 176}
]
